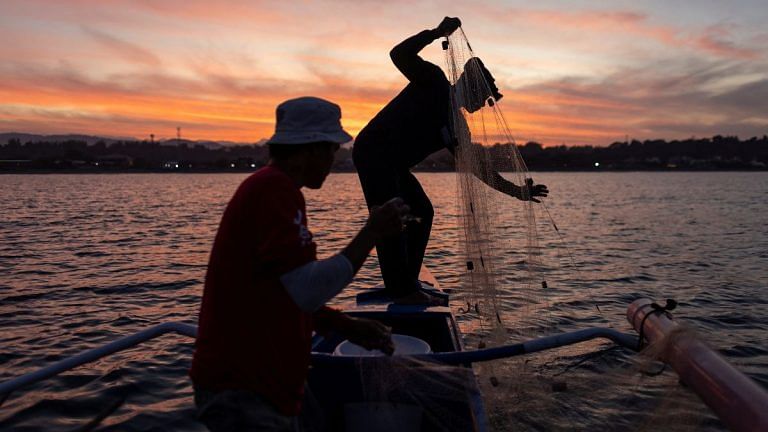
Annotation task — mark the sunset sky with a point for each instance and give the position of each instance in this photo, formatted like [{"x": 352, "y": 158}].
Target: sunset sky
[{"x": 573, "y": 72}]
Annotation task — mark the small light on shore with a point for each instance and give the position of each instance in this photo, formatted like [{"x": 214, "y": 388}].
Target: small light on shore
[
  {"x": 232, "y": 165},
  {"x": 597, "y": 164}
]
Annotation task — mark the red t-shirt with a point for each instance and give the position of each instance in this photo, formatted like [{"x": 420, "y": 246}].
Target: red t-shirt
[{"x": 251, "y": 335}]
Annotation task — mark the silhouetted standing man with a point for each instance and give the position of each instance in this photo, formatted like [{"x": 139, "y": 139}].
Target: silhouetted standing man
[{"x": 415, "y": 124}]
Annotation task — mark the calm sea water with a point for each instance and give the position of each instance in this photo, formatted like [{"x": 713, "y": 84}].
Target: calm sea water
[{"x": 85, "y": 259}]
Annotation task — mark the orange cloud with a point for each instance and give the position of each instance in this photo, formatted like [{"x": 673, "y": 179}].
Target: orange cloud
[
  {"x": 213, "y": 107},
  {"x": 218, "y": 70}
]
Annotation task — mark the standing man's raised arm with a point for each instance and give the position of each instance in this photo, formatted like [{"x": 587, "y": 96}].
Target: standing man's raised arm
[{"x": 406, "y": 54}]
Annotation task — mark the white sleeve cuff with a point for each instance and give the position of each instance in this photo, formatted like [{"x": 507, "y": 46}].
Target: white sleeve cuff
[{"x": 313, "y": 284}]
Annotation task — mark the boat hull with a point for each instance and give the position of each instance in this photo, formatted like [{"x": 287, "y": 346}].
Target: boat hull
[{"x": 389, "y": 393}]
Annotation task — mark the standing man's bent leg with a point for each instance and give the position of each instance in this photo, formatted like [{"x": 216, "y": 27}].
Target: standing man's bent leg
[
  {"x": 417, "y": 233},
  {"x": 380, "y": 184}
]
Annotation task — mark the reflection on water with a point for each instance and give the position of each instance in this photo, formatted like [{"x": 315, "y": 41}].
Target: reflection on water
[{"x": 85, "y": 259}]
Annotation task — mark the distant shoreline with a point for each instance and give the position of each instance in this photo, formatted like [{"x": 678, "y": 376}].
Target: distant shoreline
[{"x": 718, "y": 153}]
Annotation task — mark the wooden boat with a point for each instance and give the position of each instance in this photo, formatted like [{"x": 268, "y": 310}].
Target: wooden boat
[
  {"x": 341, "y": 384},
  {"x": 342, "y": 388}
]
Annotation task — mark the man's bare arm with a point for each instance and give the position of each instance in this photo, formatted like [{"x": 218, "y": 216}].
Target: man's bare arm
[{"x": 491, "y": 177}]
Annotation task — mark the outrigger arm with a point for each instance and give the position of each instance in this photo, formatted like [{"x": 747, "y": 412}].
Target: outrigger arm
[
  {"x": 736, "y": 399},
  {"x": 460, "y": 357},
  {"x": 94, "y": 354},
  {"x": 495, "y": 353}
]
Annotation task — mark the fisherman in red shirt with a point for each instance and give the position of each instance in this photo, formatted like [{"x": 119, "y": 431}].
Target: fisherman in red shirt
[{"x": 265, "y": 290}]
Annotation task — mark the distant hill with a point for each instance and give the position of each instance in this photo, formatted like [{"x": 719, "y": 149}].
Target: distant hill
[{"x": 91, "y": 140}]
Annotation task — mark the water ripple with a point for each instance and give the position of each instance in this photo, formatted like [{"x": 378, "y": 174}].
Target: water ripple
[{"x": 85, "y": 259}]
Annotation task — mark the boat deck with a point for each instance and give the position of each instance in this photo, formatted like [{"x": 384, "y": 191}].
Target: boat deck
[{"x": 440, "y": 397}]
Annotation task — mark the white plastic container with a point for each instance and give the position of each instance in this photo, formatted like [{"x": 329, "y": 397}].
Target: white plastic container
[{"x": 404, "y": 345}]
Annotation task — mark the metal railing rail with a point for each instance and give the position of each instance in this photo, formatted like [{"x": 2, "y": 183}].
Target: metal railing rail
[
  {"x": 480, "y": 355},
  {"x": 97, "y": 353},
  {"x": 735, "y": 398},
  {"x": 504, "y": 351}
]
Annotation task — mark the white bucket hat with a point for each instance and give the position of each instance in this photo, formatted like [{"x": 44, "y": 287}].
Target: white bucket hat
[{"x": 308, "y": 119}]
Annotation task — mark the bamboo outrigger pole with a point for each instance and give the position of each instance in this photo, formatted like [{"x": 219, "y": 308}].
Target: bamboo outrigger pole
[{"x": 738, "y": 401}]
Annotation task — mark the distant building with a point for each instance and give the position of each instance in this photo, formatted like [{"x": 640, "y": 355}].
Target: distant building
[
  {"x": 14, "y": 163},
  {"x": 114, "y": 161}
]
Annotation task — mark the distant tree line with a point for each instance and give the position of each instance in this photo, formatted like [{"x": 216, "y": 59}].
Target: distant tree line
[
  {"x": 129, "y": 155},
  {"x": 716, "y": 153}
]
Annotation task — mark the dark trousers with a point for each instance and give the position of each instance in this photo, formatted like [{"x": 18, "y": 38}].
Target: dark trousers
[
  {"x": 245, "y": 410},
  {"x": 400, "y": 256}
]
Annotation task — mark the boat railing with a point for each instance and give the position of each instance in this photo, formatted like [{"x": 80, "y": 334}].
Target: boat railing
[
  {"x": 95, "y": 354},
  {"x": 505, "y": 351},
  {"x": 735, "y": 398},
  {"x": 459, "y": 357}
]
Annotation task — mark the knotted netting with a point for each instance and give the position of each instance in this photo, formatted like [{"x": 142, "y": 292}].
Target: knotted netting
[
  {"x": 505, "y": 279},
  {"x": 521, "y": 282}
]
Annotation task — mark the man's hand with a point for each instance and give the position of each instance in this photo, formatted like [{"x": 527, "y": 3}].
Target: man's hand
[
  {"x": 530, "y": 191},
  {"x": 448, "y": 26},
  {"x": 384, "y": 220},
  {"x": 370, "y": 335},
  {"x": 387, "y": 219}
]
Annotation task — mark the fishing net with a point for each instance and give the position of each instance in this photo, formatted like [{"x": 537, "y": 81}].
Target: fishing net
[
  {"x": 521, "y": 282},
  {"x": 436, "y": 394},
  {"x": 513, "y": 267},
  {"x": 486, "y": 213}
]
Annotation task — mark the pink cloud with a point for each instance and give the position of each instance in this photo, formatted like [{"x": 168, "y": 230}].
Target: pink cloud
[
  {"x": 123, "y": 49},
  {"x": 621, "y": 23},
  {"x": 714, "y": 41}
]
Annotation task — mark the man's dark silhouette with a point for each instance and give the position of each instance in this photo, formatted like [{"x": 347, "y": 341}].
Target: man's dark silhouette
[
  {"x": 415, "y": 124},
  {"x": 265, "y": 290}
]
